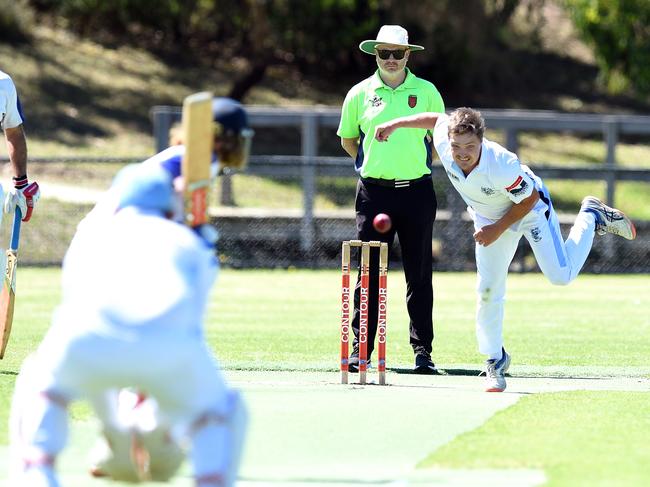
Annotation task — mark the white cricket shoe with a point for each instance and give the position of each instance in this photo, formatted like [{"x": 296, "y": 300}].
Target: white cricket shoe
[
  {"x": 609, "y": 220},
  {"x": 495, "y": 371}
]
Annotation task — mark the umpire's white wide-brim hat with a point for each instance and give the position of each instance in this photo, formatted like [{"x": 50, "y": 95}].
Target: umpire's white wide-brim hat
[{"x": 389, "y": 34}]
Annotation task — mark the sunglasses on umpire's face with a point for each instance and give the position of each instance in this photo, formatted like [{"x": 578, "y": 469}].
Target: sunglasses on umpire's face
[{"x": 384, "y": 54}]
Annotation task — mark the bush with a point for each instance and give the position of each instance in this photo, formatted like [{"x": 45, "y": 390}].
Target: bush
[
  {"x": 618, "y": 31},
  {"x": 16, "y": 20}
]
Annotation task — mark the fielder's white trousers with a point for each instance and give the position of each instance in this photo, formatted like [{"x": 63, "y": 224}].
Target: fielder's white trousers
[
  {"x": 172, "y": 364},
  {"x": 560, "y": 261}
]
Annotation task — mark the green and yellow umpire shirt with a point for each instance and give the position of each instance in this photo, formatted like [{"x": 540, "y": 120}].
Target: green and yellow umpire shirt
[{"x": 407, "y": 154}]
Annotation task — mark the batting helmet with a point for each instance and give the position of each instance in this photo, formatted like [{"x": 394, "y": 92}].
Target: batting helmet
[{"x": 233, "y": 134}]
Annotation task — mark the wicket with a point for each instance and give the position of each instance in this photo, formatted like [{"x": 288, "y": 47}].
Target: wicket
[{"x": 363, "y": 308}]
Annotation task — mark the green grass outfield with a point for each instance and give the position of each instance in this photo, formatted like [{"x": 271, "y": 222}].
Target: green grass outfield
[{"x": 276, "y": 334}]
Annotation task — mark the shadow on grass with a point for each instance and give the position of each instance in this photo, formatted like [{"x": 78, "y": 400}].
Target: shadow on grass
[{"x": 439, "y": 371}]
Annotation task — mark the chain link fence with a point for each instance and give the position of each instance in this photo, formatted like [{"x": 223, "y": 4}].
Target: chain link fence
[
  {"x": 265, "y": 226},
  {"x": 271, "y": 237}
]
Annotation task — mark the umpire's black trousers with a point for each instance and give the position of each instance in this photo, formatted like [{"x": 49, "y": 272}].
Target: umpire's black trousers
[{"x": 412, "y": 209}]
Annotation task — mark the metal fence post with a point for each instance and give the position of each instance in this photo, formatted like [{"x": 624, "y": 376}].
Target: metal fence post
[
  {"x": 512, "y": 140},
  {"x": 610, "y": 129},
  {"x": 227, "y": 194},
  {"x": 163, "y": 117},
  {"x": 309, "y": 141}
]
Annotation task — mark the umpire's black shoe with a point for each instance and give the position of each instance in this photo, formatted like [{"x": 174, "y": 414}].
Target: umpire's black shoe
[
  {"x": 353, "y": 361},
  {"x": 423, "y": 363}
]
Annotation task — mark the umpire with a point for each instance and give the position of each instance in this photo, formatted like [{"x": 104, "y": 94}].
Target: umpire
[{"x": 394, "y": 178}]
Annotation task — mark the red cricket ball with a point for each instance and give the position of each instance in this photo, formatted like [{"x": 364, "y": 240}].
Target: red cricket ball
[{"x": 382, "y": 223}]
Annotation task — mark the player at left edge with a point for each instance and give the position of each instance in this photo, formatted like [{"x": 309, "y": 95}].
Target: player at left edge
[{"x": 12, "y": 124}]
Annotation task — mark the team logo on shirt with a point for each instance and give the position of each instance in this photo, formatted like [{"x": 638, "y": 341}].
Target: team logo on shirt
[
  {"x": 375, "y": 101},
  {"x": 487, "y": 191},
  {"x": 413, "y": 100},
  {"x": 536, "y": 233},
  {"x": 519, "y": 186}
]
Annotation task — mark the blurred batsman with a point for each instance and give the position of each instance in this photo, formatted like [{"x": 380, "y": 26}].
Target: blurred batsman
[
  {"x": 232, "y": 142},
  {"x": 135, "y": 293}
]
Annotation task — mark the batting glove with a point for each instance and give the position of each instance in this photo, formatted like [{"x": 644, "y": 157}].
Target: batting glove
[{"x": 24, "y": 196}]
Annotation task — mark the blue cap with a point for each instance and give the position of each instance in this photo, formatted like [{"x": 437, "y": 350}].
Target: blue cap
[
  {"x": 230, "y": 114},
  {"x": 145, "y": 186}
]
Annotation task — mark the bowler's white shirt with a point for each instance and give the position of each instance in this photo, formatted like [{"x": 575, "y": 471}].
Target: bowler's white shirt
[
  {"x": 498, "y": 182},
  {"x": 9, "y": 114}
]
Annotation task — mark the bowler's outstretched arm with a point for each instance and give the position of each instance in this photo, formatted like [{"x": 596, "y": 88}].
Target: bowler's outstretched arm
[{"x": 426, "y": 120}]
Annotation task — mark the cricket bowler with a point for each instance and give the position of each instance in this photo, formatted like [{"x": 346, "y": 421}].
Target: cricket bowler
[{"x": 506, "y": 201}]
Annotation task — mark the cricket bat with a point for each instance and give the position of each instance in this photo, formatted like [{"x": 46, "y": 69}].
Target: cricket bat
[
  {"x": 198, "y": 137},
  {"x": 8, "y": 294}
]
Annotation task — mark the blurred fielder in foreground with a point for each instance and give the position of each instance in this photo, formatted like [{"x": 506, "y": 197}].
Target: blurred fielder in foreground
[
  {"x": 506, "y": 201},
  {"x": 134, "y": 299},
  {"x": 135, "y": 289}
]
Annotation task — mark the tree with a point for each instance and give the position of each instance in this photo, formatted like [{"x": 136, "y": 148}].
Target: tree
[
  {"x": 619, "y": 31},
  {"x": 16, "y": 21},
  {"x": 469, "y": 43}
]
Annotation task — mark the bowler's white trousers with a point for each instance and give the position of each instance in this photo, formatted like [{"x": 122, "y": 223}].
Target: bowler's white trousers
[{"x": 560, "y": 261}]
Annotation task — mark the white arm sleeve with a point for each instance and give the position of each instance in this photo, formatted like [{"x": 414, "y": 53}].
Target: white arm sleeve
[{"x": 9, "y": 104}]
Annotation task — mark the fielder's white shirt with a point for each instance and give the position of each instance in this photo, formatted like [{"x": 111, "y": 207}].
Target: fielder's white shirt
[
  {"x": 495, "y": 184},
  {"x": 9, "y": 114},
  {"x": 139, "y": 269}
]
